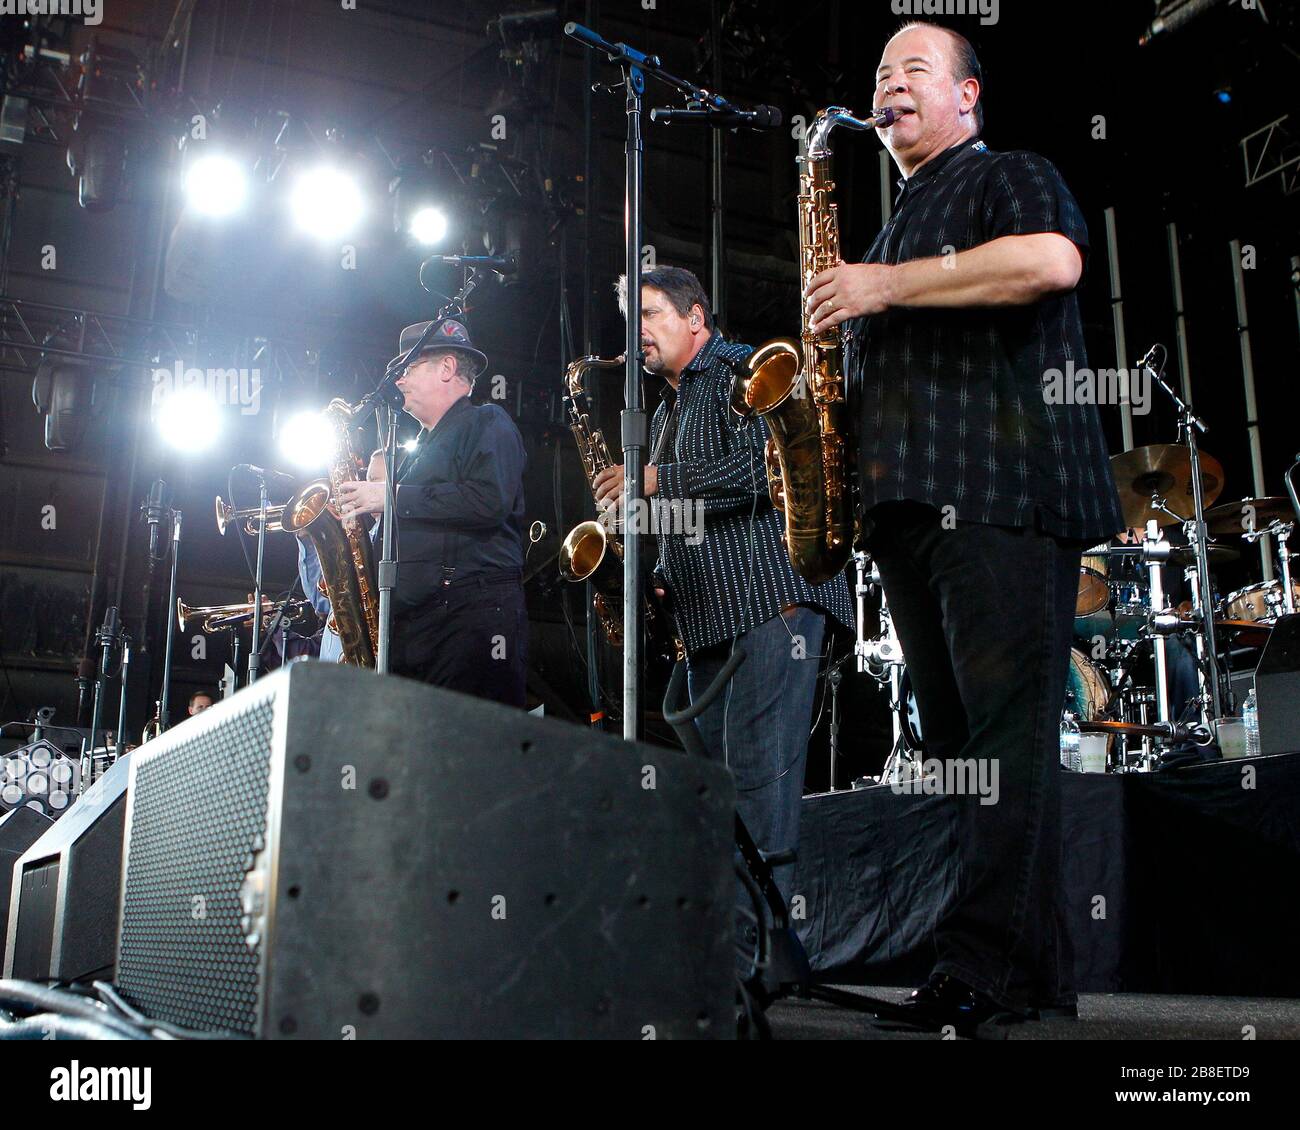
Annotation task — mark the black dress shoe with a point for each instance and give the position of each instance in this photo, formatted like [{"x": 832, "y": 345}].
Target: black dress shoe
[
  {"x": 944, "y": 1001},
  {"x": 1065, "y": 1010}
]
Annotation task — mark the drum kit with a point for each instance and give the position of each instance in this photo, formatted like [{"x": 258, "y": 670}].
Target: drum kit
[
  {"x": 1125, "y": 617},
  {"x": 1145, "y": 674}
]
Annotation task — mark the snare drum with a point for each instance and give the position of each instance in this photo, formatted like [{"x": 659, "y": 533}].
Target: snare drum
[{"x": 1259, "y": 602}]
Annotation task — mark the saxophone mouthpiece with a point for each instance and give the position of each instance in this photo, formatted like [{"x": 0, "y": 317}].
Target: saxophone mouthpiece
[{"x": 885, "y": 118}]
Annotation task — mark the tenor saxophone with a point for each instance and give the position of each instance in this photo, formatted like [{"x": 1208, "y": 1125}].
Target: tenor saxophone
[
  {"x": 593, "y": 551},
  {"x": 798, "y": 387},
  {"x": 347, "y": 559}
]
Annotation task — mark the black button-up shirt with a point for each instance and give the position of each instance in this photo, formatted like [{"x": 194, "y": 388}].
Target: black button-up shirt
[
  {"x": 460, "y": 502},
  {"x": 725, "y": 583},
  {"x": 953, "y": 405}
]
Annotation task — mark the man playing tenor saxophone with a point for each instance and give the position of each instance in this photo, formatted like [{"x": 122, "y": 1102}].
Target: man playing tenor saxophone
[
  {"x": 734, "y": 586},
  {"x": 979, "y": 495}
]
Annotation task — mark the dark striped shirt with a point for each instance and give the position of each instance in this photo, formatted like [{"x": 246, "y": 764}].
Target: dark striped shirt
[
  {"x": 738, "y": 575},
  {"x": 952, "y": 400}
]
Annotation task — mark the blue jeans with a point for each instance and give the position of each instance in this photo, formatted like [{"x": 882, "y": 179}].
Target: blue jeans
[{"x": 759, "y": 724}]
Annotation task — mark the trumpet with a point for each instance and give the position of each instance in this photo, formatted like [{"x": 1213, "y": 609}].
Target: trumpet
[
  {"x": 217, "y": 617},
  {"x": 226, "y": 513}
]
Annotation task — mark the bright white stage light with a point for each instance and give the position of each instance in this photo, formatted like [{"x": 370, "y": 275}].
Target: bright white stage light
[
  {"x": 326, "y": 203},
  {"x": 216, "y": 185},
  {"x": 307, "y": 441},
  {"x": 429, "y": 225},
  {"x": 189, "y": 419}
]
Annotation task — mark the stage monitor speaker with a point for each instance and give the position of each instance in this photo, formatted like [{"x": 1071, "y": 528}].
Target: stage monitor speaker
[
  {"x": 66, "y": 888},
  {"x": 1277, "y": 688},
  {"x": 19, "y": 829},
  {"x": 332, "y": 854}
]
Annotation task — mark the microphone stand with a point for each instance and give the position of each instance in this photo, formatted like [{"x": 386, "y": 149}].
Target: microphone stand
[
  {"x": 716, "y": 110},
  {"x": 387, "y": 569},
  {"x": 106, "y": 638},
  {"x": 1188, "y": 425},
  {"x": 121, "y": 706},
  {"x": 164, "y": 711},
  {"x": 255, "y": 647}
]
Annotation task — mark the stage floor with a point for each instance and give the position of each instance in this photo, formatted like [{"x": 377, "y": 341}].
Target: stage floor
[{"x": 1102, "y": 1016}]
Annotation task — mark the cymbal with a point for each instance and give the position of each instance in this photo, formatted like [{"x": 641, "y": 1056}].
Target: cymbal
[
  {"x": 1164, "y": 469},
  {"x": 1246, "y": 633},
  {"x": 1217, "y": 554},
  {"x": 1233, "y": 519}
]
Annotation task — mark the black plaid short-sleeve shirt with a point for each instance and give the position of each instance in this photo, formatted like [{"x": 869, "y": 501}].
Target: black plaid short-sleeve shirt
[
  {"x": 953, "y": 408},
  {"x": 738, "y": 574}
]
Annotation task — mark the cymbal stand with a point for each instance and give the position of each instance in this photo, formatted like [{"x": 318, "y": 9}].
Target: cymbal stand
[{"x": 1189, "y": 424}]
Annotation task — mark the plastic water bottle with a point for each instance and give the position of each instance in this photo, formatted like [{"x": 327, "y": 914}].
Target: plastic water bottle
[
  {"x": 1070, "y": 758},
  {"x": 1250, "y": 716}
]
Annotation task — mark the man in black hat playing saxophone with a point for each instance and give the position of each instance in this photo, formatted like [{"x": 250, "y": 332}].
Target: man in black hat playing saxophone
[{"x": 459, "y": 619}]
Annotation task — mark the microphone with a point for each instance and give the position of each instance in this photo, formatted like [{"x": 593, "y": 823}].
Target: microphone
[
  {"x": 85, "y": 676},
  {"x": 109, "y": 634},
  {"x": 502, "y": 264},
  {"x": 1145, "y": 362},
  {"x": 154, "y": 510},
  {"x": 263, "y": 473},
  {"x": 1174, "y": 18},
  {"x": 759, "y": 118}
]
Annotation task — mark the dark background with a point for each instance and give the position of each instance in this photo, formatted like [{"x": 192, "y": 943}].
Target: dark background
[{"x": 384, "y": 84}]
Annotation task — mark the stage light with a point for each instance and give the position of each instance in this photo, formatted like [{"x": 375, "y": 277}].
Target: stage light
[
  {"x": 216, "y": 185},
  {"x": 189, "y": 419},
  {"x": 326, "y": 203},
  {"x": 1224, "y": 95},
  {"x": 307, "y": 440},
  {"x": 429, "y": 226}
]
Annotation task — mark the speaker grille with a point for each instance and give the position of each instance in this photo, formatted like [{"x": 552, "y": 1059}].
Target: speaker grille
[{"x": 183, "y": 954}]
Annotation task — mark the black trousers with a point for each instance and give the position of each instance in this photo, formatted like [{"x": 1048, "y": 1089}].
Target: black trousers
[
  {"x": 984, "y": 614},
  {"x": 470, "y": 637}
]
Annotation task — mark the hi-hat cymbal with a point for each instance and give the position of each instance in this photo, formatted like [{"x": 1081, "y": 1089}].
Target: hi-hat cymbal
[
  {"x": 1218, "y": 555},
  {"x": 1248, "y": 515},
  {"x": 1164, "y": 469}
]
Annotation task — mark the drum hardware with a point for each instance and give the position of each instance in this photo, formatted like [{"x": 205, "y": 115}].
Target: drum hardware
[
  {"x": 881, "y": 657},
  {"x": 1283, "y": 598},
  {"x": 1235, "y": 519}
]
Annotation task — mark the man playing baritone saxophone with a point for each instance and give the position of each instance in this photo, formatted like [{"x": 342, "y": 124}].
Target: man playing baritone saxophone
[
  {"x": 979, "y": 495},
  {"x": 733, "y": 586},
  {"x": 331, "y": 647},
  {"x": 459, "y": 619}
]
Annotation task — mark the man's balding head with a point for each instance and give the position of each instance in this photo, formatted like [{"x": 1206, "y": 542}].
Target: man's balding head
[{"x": 933, "y": 72}]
